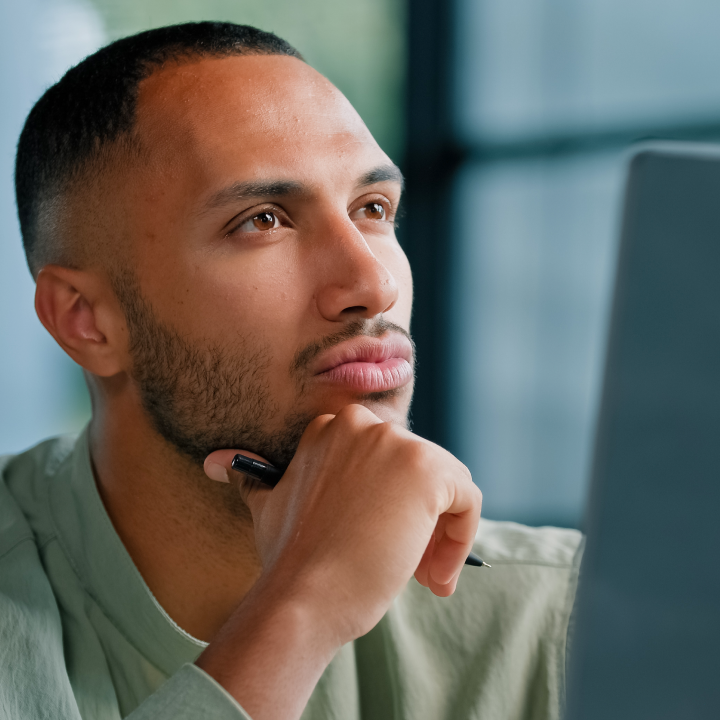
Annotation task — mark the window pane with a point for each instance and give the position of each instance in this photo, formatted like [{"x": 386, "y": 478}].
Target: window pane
[
  {"x": 532, "y": 67},
  {"x": 41, "y": 390},
  {"x": 534, "y": 267},
  {"x": 358, "y": 44}
]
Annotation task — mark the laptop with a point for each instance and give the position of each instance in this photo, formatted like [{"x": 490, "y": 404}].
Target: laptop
[{"x": 645, "y": 642}]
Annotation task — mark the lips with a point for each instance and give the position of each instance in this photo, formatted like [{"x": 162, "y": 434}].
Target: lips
[{"x": 367, "y": 365}]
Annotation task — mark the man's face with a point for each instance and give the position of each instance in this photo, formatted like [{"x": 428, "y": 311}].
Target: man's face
[{"x": 267, "y": 286}]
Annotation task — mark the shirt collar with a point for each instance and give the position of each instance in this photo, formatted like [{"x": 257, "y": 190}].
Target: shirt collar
[{"x": 106, "y": 569}]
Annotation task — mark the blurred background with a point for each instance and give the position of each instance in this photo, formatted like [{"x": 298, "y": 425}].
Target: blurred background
[{"x": 511, "y": 120}]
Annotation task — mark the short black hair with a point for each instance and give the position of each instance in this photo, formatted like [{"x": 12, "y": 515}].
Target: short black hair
[{"x": 93, "y": 106}]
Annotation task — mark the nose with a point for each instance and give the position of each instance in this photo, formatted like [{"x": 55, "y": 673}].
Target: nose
[{"x": 354, "y": 282}]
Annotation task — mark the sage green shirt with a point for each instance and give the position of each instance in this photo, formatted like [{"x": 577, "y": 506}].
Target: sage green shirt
[{"x": 81, "y": 635}]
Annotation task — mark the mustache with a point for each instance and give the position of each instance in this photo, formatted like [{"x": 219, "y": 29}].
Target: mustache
[{"x": 356, "y": 328}]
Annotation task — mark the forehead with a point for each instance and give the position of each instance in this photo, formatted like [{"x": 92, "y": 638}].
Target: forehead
[{"x": 255, "y": 114}]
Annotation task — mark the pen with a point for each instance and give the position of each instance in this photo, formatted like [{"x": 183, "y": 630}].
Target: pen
[{"x": 270, "y": 475}]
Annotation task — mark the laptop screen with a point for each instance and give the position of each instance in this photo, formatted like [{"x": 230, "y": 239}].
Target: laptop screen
[{"x": 646, "y": 642}]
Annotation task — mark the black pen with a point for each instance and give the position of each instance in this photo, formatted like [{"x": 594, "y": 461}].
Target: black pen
[{"x": 270, "y": 475}]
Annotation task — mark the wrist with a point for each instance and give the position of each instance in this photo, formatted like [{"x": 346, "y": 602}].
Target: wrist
[
  {"x": 272, "y": 650},
  {"x": 325, "y": 601},
  {"x": 279, "y": 602}
]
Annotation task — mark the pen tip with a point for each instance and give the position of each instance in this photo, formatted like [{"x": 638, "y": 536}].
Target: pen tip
[
  {"x": 486, "y": 565},
  {"x": 473, "y": 559}
]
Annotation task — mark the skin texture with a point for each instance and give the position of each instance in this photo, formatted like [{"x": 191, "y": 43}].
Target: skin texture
[{"x": 254, "y": 300}]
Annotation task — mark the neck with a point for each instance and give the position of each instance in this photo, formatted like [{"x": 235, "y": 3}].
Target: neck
[{"x": 191, "y": 538}]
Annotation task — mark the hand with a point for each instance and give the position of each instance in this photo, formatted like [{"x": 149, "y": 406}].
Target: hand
[{"x": 362, "y": 506}]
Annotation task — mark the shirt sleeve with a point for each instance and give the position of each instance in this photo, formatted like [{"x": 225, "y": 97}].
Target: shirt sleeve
[
  {"x": 190, "y": 694},
  {"x": 33, "y": 680},
  {"x": 34, "y": 683}
]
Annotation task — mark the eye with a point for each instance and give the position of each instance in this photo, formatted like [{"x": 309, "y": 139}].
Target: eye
[
  {"x": 258, "y": 223},
  {"x": 371, "y": 211}
]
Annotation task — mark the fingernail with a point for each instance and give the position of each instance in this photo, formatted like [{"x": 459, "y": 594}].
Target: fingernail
[{"x": 216, "y": 472}]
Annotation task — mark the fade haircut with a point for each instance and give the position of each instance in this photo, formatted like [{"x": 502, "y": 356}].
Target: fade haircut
[{"x": 83, "y": 121}]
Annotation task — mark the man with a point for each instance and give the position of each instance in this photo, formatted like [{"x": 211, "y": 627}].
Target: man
[{"x": 211, "y": 229}]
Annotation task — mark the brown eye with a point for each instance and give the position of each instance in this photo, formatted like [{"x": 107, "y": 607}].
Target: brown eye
[
  {"x": 374, "y": 211},
  {"x": 371, "y": 211},
  {"x": 258, "y": 223},
  {"x": 264, "y": 221}
]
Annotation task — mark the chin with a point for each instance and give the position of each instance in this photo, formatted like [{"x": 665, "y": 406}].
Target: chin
[{"x": 390, "y": 406}]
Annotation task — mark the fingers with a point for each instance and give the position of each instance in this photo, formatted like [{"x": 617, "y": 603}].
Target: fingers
[
  {"x": 425, "y": 484},
  {"x": 445, "y": 590},
  {"x": 218, "y": 464},
  {"x": 447, "y": 560},
  {"x": 347, "y": 422},
  {"x": 421, "y": 574},
  {"x": 452, "y": 540}
]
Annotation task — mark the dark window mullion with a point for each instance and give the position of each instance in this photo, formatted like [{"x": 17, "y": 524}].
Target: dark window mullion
[{"x": 430, "y": 165}]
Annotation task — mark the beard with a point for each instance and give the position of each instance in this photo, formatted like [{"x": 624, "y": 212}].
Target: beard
[{"x": 202, "y": 397}]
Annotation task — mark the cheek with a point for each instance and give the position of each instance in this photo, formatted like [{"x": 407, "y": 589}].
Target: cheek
[
  {"x": 267, "y": 300},
  {"x": 397, "y": 264}
]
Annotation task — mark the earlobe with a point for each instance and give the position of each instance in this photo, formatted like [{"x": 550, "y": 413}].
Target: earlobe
[{"x": 70, "y": 307}]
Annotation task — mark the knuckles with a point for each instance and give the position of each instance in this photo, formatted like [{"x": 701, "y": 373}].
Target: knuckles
[
  {"x": 355, "y": 415},
  {"x": 418, "y": 456},
  {"x": 318, "y": 423},
  {"x": 355, "y": 431}
]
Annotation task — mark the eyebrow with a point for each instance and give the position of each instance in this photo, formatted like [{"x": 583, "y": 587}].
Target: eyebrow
[
  {"x": 383, "y": 173},
  {"x": 240, "y": 191}
]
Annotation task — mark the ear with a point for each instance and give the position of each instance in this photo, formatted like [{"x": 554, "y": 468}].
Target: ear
[{"x": 79, "y": 310}]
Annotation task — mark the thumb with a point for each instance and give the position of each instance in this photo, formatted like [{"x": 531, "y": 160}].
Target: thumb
[{"x": 218, "y": 466}]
